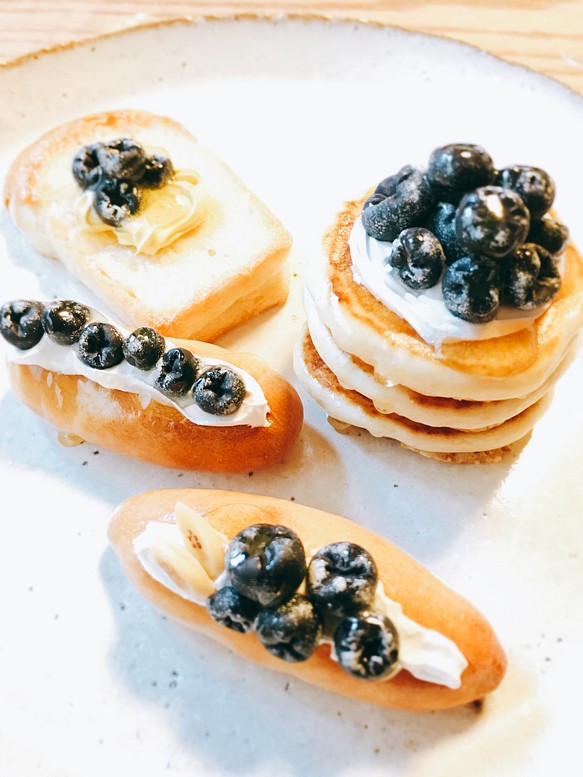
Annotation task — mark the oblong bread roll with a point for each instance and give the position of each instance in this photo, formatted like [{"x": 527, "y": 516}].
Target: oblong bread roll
[
  {"x": 424, "y": 599},
  {"x": 158, "y": 433}
]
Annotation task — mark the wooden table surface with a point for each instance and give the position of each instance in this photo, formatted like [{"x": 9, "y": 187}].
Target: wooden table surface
[{"x": 545, "y": 35}]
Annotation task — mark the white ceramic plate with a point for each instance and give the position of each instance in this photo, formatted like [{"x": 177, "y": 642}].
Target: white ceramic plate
[{"x": 93, "y": 681}]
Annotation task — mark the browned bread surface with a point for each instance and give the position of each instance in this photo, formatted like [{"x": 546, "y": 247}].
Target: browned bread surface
[
  {"x": 424, "y": 598},
  {"x": 160, "y": 434},
  {"x": 229, "y": 268}
]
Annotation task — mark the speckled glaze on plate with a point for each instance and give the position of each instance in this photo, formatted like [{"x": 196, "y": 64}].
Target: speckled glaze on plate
[{"x": 93, "y": 680}]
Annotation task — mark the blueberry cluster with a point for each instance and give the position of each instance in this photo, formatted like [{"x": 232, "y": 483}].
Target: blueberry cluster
[
  {"x": 484, "y": 233},
  {"x": 265, "y": 566},
  {"x": 216, "y": 390},
  {"x": 117, "y": 172}
]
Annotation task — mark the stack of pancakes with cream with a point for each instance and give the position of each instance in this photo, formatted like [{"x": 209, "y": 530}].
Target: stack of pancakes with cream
[{"x": 396, "y": 362}]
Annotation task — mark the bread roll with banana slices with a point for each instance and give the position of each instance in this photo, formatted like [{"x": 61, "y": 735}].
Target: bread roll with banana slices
[
  {"x": 180, "y": 403},
  {"x": 307, "y": 593},
  {"x": 161, "y": 230}
]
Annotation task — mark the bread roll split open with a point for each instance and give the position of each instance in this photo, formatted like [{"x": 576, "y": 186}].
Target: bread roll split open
[{"x": 423, "y": 597}]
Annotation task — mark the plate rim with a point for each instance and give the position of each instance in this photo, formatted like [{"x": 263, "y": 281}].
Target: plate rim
[{"x": 273, "y": 17}]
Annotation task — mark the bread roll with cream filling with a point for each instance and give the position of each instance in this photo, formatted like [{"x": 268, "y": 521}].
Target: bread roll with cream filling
[
  {"x": 171, "y": 544},
  {"x": 222, "y": 412}
]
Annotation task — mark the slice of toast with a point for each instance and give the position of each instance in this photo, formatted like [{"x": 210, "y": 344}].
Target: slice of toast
[{"x": 228, "y": 268}]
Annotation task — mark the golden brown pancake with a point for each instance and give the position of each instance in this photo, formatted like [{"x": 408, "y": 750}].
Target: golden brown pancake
[
  {"x": 354, "y": 409},
  {"x": 500, "y": 368},
  {"x": 356, "y": 375},
  {"x": 461, "y": 401}
]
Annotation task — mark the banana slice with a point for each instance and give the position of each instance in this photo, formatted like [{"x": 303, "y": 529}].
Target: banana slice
[
  {"x": 183, "y": 571},
  {"x": 206, "y": 544}
]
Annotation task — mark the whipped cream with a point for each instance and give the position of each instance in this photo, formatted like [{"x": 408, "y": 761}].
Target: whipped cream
[
  {"x": 165, "y": 214},
  {"x": 424, "y": 309},
  {"x": 123, "y": 377},
  {"x": 424, "y": 653}
]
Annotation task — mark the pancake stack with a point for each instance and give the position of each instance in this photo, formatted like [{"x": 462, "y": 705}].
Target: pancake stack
[{"x": 458, "y": 400}]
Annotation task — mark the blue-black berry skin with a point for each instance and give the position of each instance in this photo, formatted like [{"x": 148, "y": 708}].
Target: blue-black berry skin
[
  {"x": 232, "y": 610},
  {"x": 20, "y": 323},
  {"x": 529, "y": 277},
  {"x": 177, "y": 372},
  {"x": 122, "y": 159},
  {"x": 63, "y": 320},
  {"x": 116, "y": 200},
  {"x": 443, "y": 227},
  {"x": 342, "y": 578},
  {"x": 290, "y": 631},
  {"x": 266, "y": 563},
  {"x": 407, "y": 203},
  {"x": 158, "y": 170},
  {"x": 491, "y": 221},
  {"x": 549, "y": 234},
  {"x": 471, "y": 289},
  {"x": 367, "y": 646},
  {"x": 100, "y": 346},
  {"x": 143, "y": 348},
  {"x": 86, "y": 168},
  {"x": 457, "y": 168},
  {"x": 533, "y": 185},
  {"x": 418, "y": 257},
  {"x": 219, "y": 391}
]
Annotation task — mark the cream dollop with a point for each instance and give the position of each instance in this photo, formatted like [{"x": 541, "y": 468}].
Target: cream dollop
[
  {"x": 167, "y": 213},
  {"x": 425, "y": 309},
  {"x": 64, "y": 359},
  {"x": 424, "y": 653}
]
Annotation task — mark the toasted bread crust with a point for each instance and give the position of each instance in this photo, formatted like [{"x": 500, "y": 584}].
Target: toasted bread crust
[
  {"x": 158, "y": 433},
  {"x": 228, "y": 269},
  {"x": 424, "y": 598}
]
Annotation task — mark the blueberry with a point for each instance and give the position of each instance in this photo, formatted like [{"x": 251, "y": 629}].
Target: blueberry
[
  {"x": 115, "y": 200},
  {"x": 471, "y": 289},
  {"x": 64, "y": 320},
  {"x": 407, "y": 202},
  {"x": 549, "y": 234},
  {"x": 491, "y": 221},
  {"x": 158, "y": 170},
  {"x": 100, "y": 346},
  {"x": 266, "y": 563},
  {"x": 418, "y": 256},
  {"x": 219, "y": 391},
  {"x": 457, "y": 168},
  {"x": 443, "y": 227},
  {"x": 388, "y": 186},
  {"x": 122, "y": 159},
  {"x": 290, "y": 631},
  {"x": 529, "y": 277},
  {"x": 86, "y": 168},
  {"x": 20, "y": 323},
  {"x": 534, "y": 185},
  {"x": 342, "y": 578},
  {"x": 177, "y": 372},
  {"x": 374, "y": 199},
  {"x": 367, "y": 645},
  {"x": 143, "y": 348},
  {"x": 232, "y": 610}
]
